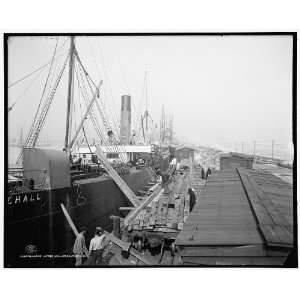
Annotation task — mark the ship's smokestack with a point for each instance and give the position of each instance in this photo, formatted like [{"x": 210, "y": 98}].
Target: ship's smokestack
[{"x": 125, "y": 129}]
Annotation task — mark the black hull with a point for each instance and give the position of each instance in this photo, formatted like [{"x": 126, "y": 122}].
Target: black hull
[{"x": 41, "y": 222}]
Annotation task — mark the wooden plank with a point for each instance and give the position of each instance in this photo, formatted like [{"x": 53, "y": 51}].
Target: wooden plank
[
  {"x": 247, "y": 250},
  {"x": 126, "y": 208},
  {"x": 219, "y": 227},
  {"x": 117, "y": 178},
  {"x": 219, "y": 238},
  {"x": 72, "y": 225},
  {"x": 135, "y": 212},
  {"x": 262, "y": 215},
  {"x": 272, "y": 224},
  {"x": 274, "y": 235}
]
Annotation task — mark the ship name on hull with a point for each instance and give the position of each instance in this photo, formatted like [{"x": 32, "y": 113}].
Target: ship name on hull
[{"x": 23, "y": 199}]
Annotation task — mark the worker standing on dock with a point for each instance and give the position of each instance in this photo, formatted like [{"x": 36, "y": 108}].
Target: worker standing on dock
[
  {"x": 192, "y": 198},
  {"x": 208, "y": 172},
  {"x": 79, "y": 247},
  {"x": 97, "y": 247}
]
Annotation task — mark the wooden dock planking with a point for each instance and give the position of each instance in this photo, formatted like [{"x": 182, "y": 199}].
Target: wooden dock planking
[
  {"x": 245, "y": 210},
  {"x": 275, "y": 227}
]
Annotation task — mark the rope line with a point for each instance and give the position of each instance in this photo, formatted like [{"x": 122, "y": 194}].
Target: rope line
[{"x": 36, "y": 70}]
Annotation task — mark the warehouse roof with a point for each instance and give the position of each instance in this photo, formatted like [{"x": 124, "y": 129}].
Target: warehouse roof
[
  {"x": 240, "y": 208},
  {"x": 235, "y": 154}
]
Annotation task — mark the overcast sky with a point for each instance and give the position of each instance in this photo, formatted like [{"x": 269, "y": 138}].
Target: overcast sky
[{"x": 220, "y": 89}]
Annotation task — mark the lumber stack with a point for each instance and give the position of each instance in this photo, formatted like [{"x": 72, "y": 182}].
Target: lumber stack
[{"x": 167, "y": 212}]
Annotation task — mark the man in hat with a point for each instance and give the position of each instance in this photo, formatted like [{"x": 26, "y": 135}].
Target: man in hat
[{"x": 96, "y": 247}]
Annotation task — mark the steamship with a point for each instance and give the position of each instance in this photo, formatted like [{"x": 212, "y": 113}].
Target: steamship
[{"x": 36, "y": 231}]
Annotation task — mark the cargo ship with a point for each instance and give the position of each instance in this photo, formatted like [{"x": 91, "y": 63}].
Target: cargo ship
[{"x": 36, "y": 231}]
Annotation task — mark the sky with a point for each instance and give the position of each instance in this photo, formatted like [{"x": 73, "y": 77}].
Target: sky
[{"x": 221, "y": 90}]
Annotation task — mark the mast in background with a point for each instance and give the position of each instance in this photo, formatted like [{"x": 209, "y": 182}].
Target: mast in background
[
  {"x": 70, "y": 94},
  {"x": 162, "y": 126}
]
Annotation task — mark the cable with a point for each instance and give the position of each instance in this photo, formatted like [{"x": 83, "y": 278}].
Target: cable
[
  {"x": 84, "y": 96},
  {"x": 36, "y": 70},
  {"x": 89, "y": 80},
  {"x": 25, "y": 90},
  {"x": 109, "y": 83},
  {"x": 80, "y": 71},
  {"x": 43, "y": 92},
  {"x": 87, "y": 140},
  {"x": 37, "y": 125}
]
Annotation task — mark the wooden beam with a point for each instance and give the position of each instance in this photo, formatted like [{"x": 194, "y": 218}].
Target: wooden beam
[
  {"x": 126, "y": 208},
  {"x": 133, "y": 213},
  {"x": 72, "y": 225},
  {"x": 117, "y": 178}
]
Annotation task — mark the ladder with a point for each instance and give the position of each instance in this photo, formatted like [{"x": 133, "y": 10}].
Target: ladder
[{"x": 117, "y": 178}]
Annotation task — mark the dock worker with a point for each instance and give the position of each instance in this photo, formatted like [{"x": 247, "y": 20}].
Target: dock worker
[
  {"x": 159, "y": 176},
  {"x": 192, "y": 198},
  {"x": 173, "y": 165},
  {"x": 208, "y": 172},
  {"x": 79, "y": 247},
  {"x": 97, "y": 245}
]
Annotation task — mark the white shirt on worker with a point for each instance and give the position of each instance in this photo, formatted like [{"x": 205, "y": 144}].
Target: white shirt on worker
[
  {"x": 173, "y": 161},
  {"x": 97, "y": 242}
]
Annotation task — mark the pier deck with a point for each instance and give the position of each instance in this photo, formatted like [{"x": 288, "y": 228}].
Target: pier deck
[{"x": 244, "y": 217}]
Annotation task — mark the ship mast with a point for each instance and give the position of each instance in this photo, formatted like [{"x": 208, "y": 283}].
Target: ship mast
[
  {"x": 70, "y": 94},
  {"x": 146, "y": 114}
]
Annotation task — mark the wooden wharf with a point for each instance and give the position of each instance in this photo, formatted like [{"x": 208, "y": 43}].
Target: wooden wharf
[{"x": 244, "y": 217}]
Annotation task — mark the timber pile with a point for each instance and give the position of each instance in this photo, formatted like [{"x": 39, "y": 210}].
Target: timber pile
[{"x": 167, "y": 212}]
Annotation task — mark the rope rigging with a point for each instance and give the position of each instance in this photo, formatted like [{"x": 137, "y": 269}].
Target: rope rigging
[
  {"x": 113, "y": 111},
  {"x": 116, "y": 131},
  {"x": 38, "y": 69},
  {"x": 38, "y": 122},
  {"x": 25, "y": 90},
  {"x": 110, "y": 142},
  {"x": 108, "y": 135},
  {"x": 104, "y": 119},
  {"x": 112, "y": 147}
]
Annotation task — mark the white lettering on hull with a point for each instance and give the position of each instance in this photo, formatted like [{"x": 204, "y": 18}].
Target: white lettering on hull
[
  {"x": 11, "y": 200},
  {"x": 18, "y": 199}
]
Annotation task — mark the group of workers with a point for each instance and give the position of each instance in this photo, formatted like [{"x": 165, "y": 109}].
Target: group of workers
[
  {"x": 96, "y": 248},
  {"x": 205, "y": 175}
]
